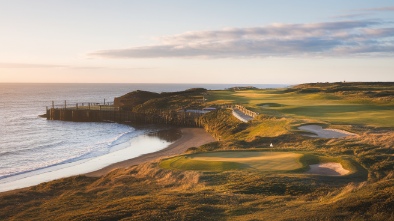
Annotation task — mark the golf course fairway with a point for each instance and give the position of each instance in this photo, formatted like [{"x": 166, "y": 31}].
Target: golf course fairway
[{"x": 232, "y": 160}]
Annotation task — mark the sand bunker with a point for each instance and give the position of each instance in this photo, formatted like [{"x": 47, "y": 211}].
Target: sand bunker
[
  {"x": 328, "y": 169},
  {"x": 241, "y": 116},
  {"x": 325, "y": 133}
]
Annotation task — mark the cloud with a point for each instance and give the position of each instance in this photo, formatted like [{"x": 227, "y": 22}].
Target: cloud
[
  {"x": 363, "y": 12},
  {"x": 26, "y": 65},
  {"x": 352, "y": 15},
  {"x": 388, "y": 8},
  {"x": 30, "y": 65},
  {"x": 343, "y": 38}
]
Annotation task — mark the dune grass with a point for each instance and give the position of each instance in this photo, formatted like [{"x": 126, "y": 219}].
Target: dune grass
[
  {"x": 232, "y": 190},
  {"x": 311, "y": 158},
  {"x": 248, "y": 184}
]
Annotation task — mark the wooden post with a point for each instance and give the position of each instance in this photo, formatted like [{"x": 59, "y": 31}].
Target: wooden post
[
  {"x": 65, "y": 104},
  {"x": 89, "y": 106},
  {"x": 104, "y": 101},
  {"x": 76, "y": 106},
  {"x": 53, "y": 105}
]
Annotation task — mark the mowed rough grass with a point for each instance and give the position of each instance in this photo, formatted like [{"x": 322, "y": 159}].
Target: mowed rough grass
[
  {"x": 235, "y": 160},
  {"x": 318, "y": 106}
]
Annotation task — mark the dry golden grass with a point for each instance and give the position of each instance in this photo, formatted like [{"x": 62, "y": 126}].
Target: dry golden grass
[
  {"x": 267, "y": 127},
  {"x": 148, "y": 192},
  {"x": 383, "y": 139}
]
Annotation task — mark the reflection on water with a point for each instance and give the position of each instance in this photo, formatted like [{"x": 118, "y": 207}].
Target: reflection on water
[
  {"x": 169, "y": 135},
  {"x": 137, "y": 146}
]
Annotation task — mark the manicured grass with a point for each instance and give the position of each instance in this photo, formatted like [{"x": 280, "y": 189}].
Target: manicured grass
[
  {"x": 267, "y": 105},
  {"x": 232, "y": 160},
  {"x": 262, "y": 161},
  {"x": 374, "y": 115},
  {"x": 318, "y": 106},
  {"x": 225, "y": 97},
  {"x": 267, "y": 128},
  {"x": 186, "y": 163}
]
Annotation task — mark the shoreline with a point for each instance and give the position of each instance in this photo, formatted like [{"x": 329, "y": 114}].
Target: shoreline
[{"x": 191, "y": 137}]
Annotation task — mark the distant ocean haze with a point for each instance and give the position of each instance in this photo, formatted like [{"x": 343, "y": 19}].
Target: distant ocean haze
[{"x": 29, "y": 143}]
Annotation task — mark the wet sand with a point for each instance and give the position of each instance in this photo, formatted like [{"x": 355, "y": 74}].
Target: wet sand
[{"x": 191, "y": 137}]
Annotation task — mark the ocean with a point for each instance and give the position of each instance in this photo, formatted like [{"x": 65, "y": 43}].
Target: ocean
[{"x": 31, "y": 146}]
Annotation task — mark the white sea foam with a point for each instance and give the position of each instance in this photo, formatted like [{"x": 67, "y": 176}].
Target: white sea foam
[{"x": 135, "y": 147}]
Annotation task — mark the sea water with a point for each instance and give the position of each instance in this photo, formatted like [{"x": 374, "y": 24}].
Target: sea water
[{"x": 31, "y": 146}]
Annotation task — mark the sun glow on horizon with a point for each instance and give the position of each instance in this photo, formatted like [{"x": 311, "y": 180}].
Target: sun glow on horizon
[{"x": 156, "y": 42}]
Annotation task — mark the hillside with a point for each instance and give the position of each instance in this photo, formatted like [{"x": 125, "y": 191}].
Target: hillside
[
  {"x": 140, "y": 101},
  {"x": 240, "y": 188},
  {"x": 373, "y": 90}
]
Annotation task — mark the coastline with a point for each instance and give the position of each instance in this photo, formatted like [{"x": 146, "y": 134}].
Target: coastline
[{"x": 191, "y": 137}]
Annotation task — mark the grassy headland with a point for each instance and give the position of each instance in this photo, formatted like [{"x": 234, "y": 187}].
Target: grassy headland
[
  {"x": 337, "y": 103},
  {"x": 186, "y": 188}
]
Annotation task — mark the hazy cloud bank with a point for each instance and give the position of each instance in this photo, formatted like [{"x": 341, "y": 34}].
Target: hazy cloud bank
[
  {"x": 41, "y": 66},
  {"x": 363, "y": 13},
  {"x": 389, "y": 8},
  {"x": 26, "y": 65},
  {"x": 327, "y": 39}
]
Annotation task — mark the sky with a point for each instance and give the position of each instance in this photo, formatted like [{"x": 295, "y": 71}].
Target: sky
[{"x": 200, "y": 41}]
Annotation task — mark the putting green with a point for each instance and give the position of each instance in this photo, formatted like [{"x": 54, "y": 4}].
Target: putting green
[{"x": 232, "y": 160}]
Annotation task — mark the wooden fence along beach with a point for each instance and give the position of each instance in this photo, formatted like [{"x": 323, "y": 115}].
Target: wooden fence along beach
[
  {"x": 108, "y": 112},
  {"x": 95, "y": 112}
]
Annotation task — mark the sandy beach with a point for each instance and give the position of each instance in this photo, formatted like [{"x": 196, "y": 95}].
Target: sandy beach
[
  {"x": 142, "y": 149},
  {"x": 191, "y": 137}
]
